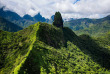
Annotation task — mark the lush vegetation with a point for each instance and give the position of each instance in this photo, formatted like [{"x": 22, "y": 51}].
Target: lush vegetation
[
  {"x": 58, "y": 21},
  {"x": 43, "y": 48},
  {"x": 96, "y": 30},
  {"x": 92, "y": 27}
]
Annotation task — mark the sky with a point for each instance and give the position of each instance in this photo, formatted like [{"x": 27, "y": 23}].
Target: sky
[{"x": 68, "y": 8}]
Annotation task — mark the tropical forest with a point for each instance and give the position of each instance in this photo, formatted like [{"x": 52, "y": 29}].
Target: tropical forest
[{"x": 54, "y": 37}]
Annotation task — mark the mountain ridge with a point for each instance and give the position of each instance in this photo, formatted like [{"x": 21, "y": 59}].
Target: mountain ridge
[
  {"x": 92, "y": 27},
  {"x": 24, "y": 21},
  {"x": 44, "y": 48},
  {"x": 8, "y": 26}
]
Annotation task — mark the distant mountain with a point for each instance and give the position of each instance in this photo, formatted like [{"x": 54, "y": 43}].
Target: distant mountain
[
  {"x": 38, "y": 17},
  {"x": 68, "y": 19},
  {"x": 11, "y": 16},
  {"x": 106, "y": 18},
  {"x": 27, "y": 17},
  {"x": 51, "y": 19},
  {"x": 96, "y": 30},
  {"x": 93, "y": 27},
  {"x": 24, "y": 21},
  {"x": 8, "y": 26},
  {"x": 78, "y": 24}
]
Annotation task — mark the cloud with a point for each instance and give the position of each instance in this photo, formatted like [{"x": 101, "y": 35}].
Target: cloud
[{"x": 68, "y": 8}]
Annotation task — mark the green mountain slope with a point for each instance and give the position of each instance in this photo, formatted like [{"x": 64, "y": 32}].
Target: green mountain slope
[
  {"x": 93, "y": 27},
  {"x": 43, "y": 48},
  {"x": 8, "y": 26},
  {"x": 96, "y": 30},
  {"x": 79, "y": 24}
]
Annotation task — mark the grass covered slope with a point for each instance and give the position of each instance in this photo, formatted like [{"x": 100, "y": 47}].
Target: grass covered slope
[
  {"x": 15, "y": 47},
  {"x": 96, "y": 30},
  {"x": 92, "y": 27},
  {"x": 8, "y": 26},
  {"x": 50, "y": 35},
  {"x": 43, "y": 48}
]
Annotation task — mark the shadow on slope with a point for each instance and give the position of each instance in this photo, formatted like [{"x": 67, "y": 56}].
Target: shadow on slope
[
  {"x": 89, "y": 47},
  {"x": 45, "y": 51},
  {"x": 98, "y": 54}
]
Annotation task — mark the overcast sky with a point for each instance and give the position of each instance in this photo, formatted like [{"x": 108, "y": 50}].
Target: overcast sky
[{"x": 68, "y": 8}]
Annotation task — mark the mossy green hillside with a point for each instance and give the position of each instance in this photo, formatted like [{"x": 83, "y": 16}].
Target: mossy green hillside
[
  {"x": 15, "y": 47},
  {"x": 42, "y": 48},
  {"x": 50, "y": 35}
]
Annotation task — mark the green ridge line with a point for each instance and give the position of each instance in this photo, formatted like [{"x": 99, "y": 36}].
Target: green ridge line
[{"x": 36, "y": 27}]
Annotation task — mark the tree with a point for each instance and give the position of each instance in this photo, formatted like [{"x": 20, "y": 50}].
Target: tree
[{"x": 58, "y": 22}]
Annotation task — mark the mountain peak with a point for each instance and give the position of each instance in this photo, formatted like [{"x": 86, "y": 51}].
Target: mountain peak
[
  {"x": 38, "y": 17},
  {"x": 107, "y": 17},
  {"x": 27, "y": 17},
  {"x": 9, "y": 14}
]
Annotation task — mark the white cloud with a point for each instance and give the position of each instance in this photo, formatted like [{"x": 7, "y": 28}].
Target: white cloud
[{"x": 81, "y": 9}]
